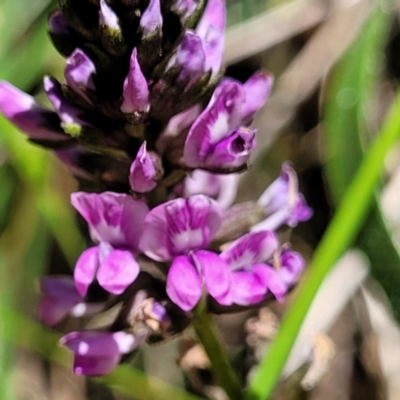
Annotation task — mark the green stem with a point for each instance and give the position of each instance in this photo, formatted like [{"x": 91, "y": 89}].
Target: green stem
[
  {"x": 224, "y": 375},
  {"x": 339, "y": 235}
]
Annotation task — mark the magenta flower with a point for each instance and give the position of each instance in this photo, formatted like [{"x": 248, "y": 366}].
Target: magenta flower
[
  {"x": 115, "y": 223},
  {"x": 79, "y": 70},
  {"x": 179, "y": 226},
  {"x": 217, "y": 139},
  {"x": 180, "y": 230},
  {"x": 283, "y": 203},
  {"x": 99, "y": 352},
  {"x": 135, "y": 91},
  {"x": 25, "y": 113},
  {"x": 145, "y": 170},
  {"x": 253, "y": 277},
  {"x": 290, "y": 268},
  {"x": 60, "y": 299}
]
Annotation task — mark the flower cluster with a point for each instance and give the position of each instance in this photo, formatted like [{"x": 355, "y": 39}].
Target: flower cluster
[{"x": 145, "y": 121}]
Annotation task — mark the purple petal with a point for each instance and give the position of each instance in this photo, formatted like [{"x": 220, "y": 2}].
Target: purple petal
[
  {"x": 178, "y": 226},
  {"x": 182, "y": 120},
  {"x": 271, "y": 280},
  {"x": 85, "y": 269},
  {"x": 143, "y": 171},
  {"x": 222, "y": 188},
  {"x": 185, "y": 7},
  {"x": 233, "y": 151},
  {"x": 78, "y": 73},
  {"x": 151, "y": 19},
  {"x": 24, "y": 112},
  {"x": 96, "y": 352},
  {"x": 184, "y": 286},
  {"x": 300, "y": 212},
  {"x": 216, "y": 274},
  {"x": 211, "y": 30},
  {"x": 217, "y": 122},
  {"x": 108, "y": 17},
  {"x": 68, "y": 114},
  {"x": 258, "y": 88},
  {"x": 59, "y": 298},
  {"x": 250, "y": 249},
  {"x": 112, "y": 217},
  {"x": 117, "y": 271},
  {"x": 190, "y": 58},
  {"x": 292, "y": 265},
  {"x": 247, "y": 288},
  {"x": 135, "y": 92},
  {"x": 58, "y": 24}
]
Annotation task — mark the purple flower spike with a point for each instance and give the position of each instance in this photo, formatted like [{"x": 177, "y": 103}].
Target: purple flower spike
[
  {"x": 190, "y": 58},
  {"x": 211, "y": 30},
  {"x": 258, "y": 88},
  {"x": 179, "y": 226},
  {"x": 252, "y": 279},
  {"x": 234, "y": 151},
  {"x": 144, "y": 171},
  {"x": 136, "y": 91},
  {"x": 108, "y": 17},
  {"x": 97, "y": 352},
  {"x": 215, "y": 124},
  {"x": 60, "y": 299},
  {"x": 113, "y": 218},
  {"x": 187, "y": 275},
  {"x": 222, "y": 188},
  {"x": 68, "y": 114},
  {"x": 25, "y": 113},
  {"x": 283, "y": 203},
  {"x": 151, "y": 19},
  {"x": 78, "y": 73}
]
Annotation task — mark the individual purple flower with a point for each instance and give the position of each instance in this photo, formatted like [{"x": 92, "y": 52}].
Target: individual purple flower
[
  {"x": 180, "y": 230},
  {"x": 211, "y": 30},
  {"x": 283, "y": 203},
  {"x": 179, "y": 226},
  {"x": 145, "y": 170},
  {"x": 291, "y": 265},
  {"x": 222, "y": 188},
  {"x": 115, "y": 222},
  {"x": 189, "y": 58},
  {"x": 151, "y": 19},
  {"x": 252, "y": 277},
  {"x": 78, "y": 73},
  {"x": 135, "y": 91},
  {"x": 108, "y": 18},
  {"x": 99, "y": 352},
  {"x": 60, "y": 299},
  {"x": 216, "y": 139},
  {"x": 69, "y": 114},
  {"x": 24, "y": 112}
]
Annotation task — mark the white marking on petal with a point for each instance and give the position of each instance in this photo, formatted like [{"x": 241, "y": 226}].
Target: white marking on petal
[
  {"x": 188, "y": 240},
  {"x": 220, "y": 128},
  {"x": 124, "y": 341},
  {"x": 79, "y": 310},
  {"x": 83, "y": 348},
  {"x": 244, "y": 261}
]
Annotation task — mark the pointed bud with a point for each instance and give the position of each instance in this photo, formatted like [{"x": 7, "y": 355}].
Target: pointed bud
[
  {"x": 135, "y": 92},
  {"x": 78, "y": 73},
  {"x": 145, "y": 171},
  {"x": 24, "y": 112},
  {"x": 185, "y": 8},
  {"x": 68, "y": 114},
  {"x": 190, "y": 58},
  {"x": 211, "y": 29},
  {"x": 151, "y": 20},
  {"x": 61, "y": 34},
  {"x": 108, "y": 18}
]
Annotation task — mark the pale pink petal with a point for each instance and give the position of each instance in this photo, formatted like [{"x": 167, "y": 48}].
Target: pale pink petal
[
  {"x": 247, "y": 288},
  {"x": 271, "y": 279},
  {"x": 85, "y": 269}
]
